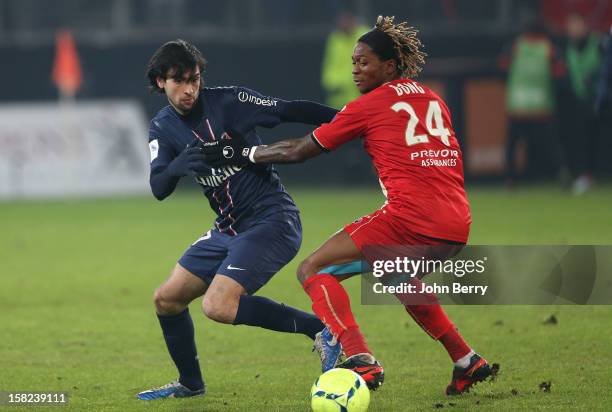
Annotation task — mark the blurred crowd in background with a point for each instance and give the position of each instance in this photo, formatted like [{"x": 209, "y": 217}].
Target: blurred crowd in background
[
  {"x": 557, "y": 97},
  {"x": 527, "y": 81}
]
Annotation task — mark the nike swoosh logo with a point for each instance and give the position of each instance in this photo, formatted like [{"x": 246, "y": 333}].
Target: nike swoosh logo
[
  {"x": 332, "y": 342},
  {"x": 230, "y": 267}
]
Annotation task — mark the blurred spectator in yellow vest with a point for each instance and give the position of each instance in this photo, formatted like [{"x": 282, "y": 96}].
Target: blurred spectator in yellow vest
[
  {"x": 532, "y": 65},
  {"x": 336, "y": 76},
  {"x": 578, "y": 118}
]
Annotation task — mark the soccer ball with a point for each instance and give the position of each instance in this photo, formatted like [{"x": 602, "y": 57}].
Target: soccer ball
[{"x": 339, "y": 390}]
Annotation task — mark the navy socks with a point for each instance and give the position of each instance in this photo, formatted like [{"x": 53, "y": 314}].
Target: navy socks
[
  {"x": 252, "y": 310},
  {"x": 267, "y": 314},
  {"x": 179, "y": 336}
]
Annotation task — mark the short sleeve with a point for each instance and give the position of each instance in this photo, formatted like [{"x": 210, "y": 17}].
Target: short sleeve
[{"x": 350, "y": 123}]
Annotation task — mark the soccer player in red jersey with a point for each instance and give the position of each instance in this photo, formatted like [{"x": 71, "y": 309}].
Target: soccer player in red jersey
[{"x": 406, "y": 129}]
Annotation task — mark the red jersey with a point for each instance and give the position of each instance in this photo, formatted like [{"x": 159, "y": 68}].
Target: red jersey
[{"x": 406, "y": 129}]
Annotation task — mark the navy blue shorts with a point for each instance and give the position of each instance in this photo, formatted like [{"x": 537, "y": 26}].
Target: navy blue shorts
[{"x": 251, "y": 257}]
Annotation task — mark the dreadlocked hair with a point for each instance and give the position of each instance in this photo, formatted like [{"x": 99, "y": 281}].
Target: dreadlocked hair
[{"x": 407, "y": 45}]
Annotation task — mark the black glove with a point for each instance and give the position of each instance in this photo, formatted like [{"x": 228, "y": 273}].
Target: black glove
[
  {"x": 233, "y": 151},
  {"x": 196, "y": 162},
  {"x": 179, "y": 166}
]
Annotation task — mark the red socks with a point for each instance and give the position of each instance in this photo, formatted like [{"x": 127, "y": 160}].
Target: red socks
[
  {"x": 456, "y": 347},
  {"x": 332, "y": 305},
  {"x": 433, "y": 320}
]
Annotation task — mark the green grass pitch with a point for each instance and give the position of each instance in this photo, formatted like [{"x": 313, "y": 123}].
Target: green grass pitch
[{"x": 76, "y": 313}]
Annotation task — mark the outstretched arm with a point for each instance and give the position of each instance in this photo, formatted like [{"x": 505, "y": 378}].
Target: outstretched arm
[
  {"x": 251, "y": 109},
  {"x": 304, "y": 111},
  {"x": 348, "y": 124},
  {"x": 236, "y": 151},
  {"x": 286, "y": 151}
]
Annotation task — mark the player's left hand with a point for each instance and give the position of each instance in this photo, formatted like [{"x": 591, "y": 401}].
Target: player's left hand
[{"x": 233, "y": 151}]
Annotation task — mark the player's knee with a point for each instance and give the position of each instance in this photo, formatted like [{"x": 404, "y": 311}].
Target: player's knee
[
  {"x": 166, "y": 306},
  {"x": 219, "y": 310},
  {"x": 306, "y": 269}
]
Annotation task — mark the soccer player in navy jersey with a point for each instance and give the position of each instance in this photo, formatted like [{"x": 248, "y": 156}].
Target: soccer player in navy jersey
[
  {"x": 257, "y": 230},
  {"x": 406, "y": 129}
]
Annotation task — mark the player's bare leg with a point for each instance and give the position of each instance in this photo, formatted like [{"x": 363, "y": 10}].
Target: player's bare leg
[
  {"x": 222, "y": 298},
  {"x": 171, "y": 300},
  {"x": 331, "y": 304},
  {"x": 227, "y": 301},
  {"x": 178, "y": 291}
]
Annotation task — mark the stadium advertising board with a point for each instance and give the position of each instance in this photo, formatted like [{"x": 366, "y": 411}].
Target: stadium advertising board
[{"x": 83, "y": 149}]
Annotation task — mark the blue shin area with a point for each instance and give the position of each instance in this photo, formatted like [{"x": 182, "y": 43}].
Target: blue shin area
[{"x": 349, "y": 268}]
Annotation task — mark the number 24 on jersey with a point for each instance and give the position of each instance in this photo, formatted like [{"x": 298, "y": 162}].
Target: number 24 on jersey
[{"x": 433, "y": 122}]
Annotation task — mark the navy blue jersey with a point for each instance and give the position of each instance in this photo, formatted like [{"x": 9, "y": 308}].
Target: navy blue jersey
[{"x": 239, "y": 195}]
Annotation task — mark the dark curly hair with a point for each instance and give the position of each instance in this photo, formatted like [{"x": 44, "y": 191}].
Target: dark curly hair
[
  {"x": 408, "y": 48},
  {"x": 177, "y": 55}
]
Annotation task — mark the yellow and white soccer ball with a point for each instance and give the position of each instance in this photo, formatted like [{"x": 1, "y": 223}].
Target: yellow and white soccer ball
[{"x": 339, "y": 390}]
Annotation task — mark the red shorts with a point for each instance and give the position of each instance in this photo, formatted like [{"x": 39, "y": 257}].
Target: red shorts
[
  {"x": 383, "y": 235},
  {"x": 384, "y": 228}
]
